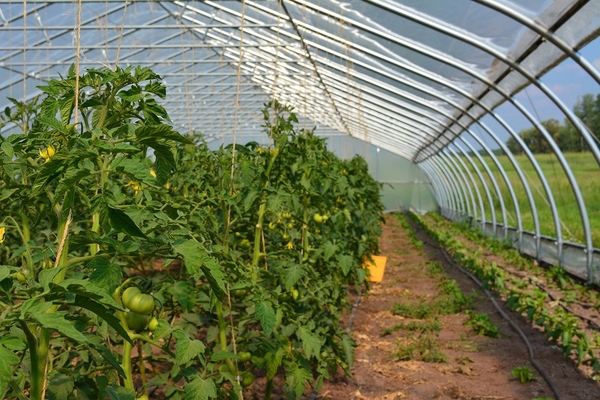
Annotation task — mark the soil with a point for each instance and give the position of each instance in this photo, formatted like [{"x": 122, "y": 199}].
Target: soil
[{"x": 477, "y": 367}]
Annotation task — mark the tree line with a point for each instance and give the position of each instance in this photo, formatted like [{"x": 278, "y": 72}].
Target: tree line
[{"x": 587, "y": 108}]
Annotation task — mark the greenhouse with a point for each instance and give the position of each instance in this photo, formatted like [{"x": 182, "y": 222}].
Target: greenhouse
[{"x": 280, "y": 199}]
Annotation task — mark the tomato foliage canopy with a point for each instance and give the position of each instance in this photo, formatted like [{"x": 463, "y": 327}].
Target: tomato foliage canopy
[{"x": 118, "y": 231}]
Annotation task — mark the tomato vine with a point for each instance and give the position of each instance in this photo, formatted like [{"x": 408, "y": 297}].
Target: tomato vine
[{"x": 120, "y": 233}]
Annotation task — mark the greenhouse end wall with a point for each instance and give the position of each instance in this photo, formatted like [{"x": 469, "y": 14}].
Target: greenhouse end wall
[{"x": 404, "y": 185}]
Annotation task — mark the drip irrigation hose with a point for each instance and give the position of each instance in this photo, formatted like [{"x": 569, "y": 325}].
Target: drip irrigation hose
[
  {"x": 353, "y": 313},
  {"x": 512, "y": 324},
  {"x": 315, "y": 393}
]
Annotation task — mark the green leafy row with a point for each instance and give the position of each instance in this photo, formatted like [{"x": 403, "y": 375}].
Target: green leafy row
[
  {"x": 521, "y": 296},
  {"x": 118, "y": 234}
]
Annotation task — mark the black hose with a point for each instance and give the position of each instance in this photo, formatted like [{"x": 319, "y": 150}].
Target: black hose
[{"x": 512, "y": 324}]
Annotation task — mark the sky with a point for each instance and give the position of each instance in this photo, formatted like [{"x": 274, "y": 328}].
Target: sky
[{"x": 567, "y": 80}]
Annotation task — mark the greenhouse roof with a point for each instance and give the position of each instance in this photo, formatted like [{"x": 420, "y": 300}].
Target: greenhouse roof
[
  {"x": 418, "y": 78},
  {"x": 407, "y": 76}
]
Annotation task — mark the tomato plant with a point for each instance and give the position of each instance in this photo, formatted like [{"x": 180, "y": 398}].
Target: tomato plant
[{"x": 119, "y": 232}]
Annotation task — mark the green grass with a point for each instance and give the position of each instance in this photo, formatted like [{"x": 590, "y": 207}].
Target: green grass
[{"x": 586, "y": 172}]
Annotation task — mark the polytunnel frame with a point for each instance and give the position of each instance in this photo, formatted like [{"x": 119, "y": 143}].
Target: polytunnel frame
[
  {"x": 582, "y": 130},
  {"x": 439, "y": 139}
]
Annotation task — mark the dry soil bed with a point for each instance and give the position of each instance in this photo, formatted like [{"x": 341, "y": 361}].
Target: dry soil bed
[{"x": 478, "y": 367}]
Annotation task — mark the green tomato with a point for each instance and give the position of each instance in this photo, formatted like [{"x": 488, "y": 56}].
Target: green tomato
[
  {"x": 238, "y": 293},
  {"x": 136, "y": 322},
  {"x": 272, "y": 225},
  {"x": 223, "y": 368},
  {"x": 245, "y": 356},
  {"x": 318, "y": 218},
  {"x": 295, "y": 294},
  {"x": 142, "y": 304},
  {"x": 153, "y": 324},
  {"x": 129, "y": 294},
  {"x": 325, "y": 218},
  {"x": 284, "y": 297},
  {"x": 142, "y": 397},
  {"x": 245, "y": 244},
  {"x": 247, "y": 379},
  {"x": 20, "y": 277}
]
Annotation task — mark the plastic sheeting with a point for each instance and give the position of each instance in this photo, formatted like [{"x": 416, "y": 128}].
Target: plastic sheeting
[{"x": 398, "y": 74}]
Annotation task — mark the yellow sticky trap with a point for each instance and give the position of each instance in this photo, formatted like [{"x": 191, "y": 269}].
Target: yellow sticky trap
[{"x": 376, "y": 268}]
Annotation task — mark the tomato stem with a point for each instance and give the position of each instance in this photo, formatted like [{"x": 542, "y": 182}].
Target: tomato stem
[
  {"x": 142, "y": 367},
  {"x": 269, "y": 389},
  {"x": 223, "y": 334}
]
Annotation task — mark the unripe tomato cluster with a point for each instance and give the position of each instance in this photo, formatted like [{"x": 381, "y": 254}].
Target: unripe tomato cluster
[
  {"x": 140, "y": 307},
  {"x": 319, "y": 219}
]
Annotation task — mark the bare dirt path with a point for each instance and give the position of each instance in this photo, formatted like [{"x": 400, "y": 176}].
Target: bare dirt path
[{"x": 469, "y": 366}]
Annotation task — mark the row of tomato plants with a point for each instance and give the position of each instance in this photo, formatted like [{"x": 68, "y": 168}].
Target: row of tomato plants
[
  {"x": 521, "y": 295},
  {"x": 136, "y": 259}
]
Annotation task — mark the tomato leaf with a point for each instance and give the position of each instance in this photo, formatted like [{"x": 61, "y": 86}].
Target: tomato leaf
[
  {"x": 56, "y": 321},
  {"x": 193, "y": 253},
  {"x": 266, "y": 316},
  {"x": 60, "y": 386},
  {"x": 296, "y": 380},
  {"x": 120, "y": 393},
  {"x": 148, "y": 133},
  {"x": 186, "y": 349},
  {"x": 293, "y": 273},
  {"x": 165, "y": 162},
  {"x": 329, "y": 250},
  {"x": 348, "y": 344},
  {"x": 106, "y": 275},
  {"x": 310, "y": 343},
  {"x": 273, "y": 360},
  {"x": 134, "y": 168},
  {"x": 122, "y": 222},
  {"x": 132, "y": 95},
  {"x": 200, "y": 389},
  {"x": 345, "y": 262},
  {"x": 103, "y": 313},
  {"x": 7, "y": 360},
  {"x": 183, "y": 291},
  {"x": 214, "y": 275}
]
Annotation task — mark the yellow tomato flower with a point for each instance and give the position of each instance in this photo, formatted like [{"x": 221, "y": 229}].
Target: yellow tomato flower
[
  {"x": 152, "y": 173},
  {"x": 274, "y": 152},
  {"x": 47, "y": 153},
  {"x": 135, "y": 186},
  {"x": 2, "y": 233},
  {"x": 290, "y": 245}
]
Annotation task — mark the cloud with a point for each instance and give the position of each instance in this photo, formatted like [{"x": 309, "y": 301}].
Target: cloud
[{"x": 566, "y": 89}]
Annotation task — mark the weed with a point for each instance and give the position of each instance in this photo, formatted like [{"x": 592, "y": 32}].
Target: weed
[
  {"x": 454, "y": 300},
  {"x": 424, "y": 348},
  {"x": 411, "y": 310},
  {"x": 451, "y": 301},
  {"x": 434, "y": 326},
  {"x": 435, "y": 268},
  {"x": 523, "y": 374},
  {"x": 463, "y": 360},
  {"x": 481, "y": 325}
]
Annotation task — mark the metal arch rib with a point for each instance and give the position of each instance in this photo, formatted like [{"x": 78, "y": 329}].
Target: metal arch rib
[
  {"x": 547, "y": 34},
  {"x": 312, "y": 61},
  {"x": 501, "y": 57}
]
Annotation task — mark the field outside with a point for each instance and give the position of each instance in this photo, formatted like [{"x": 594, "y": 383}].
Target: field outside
[{"x": 586, "y": 172}]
